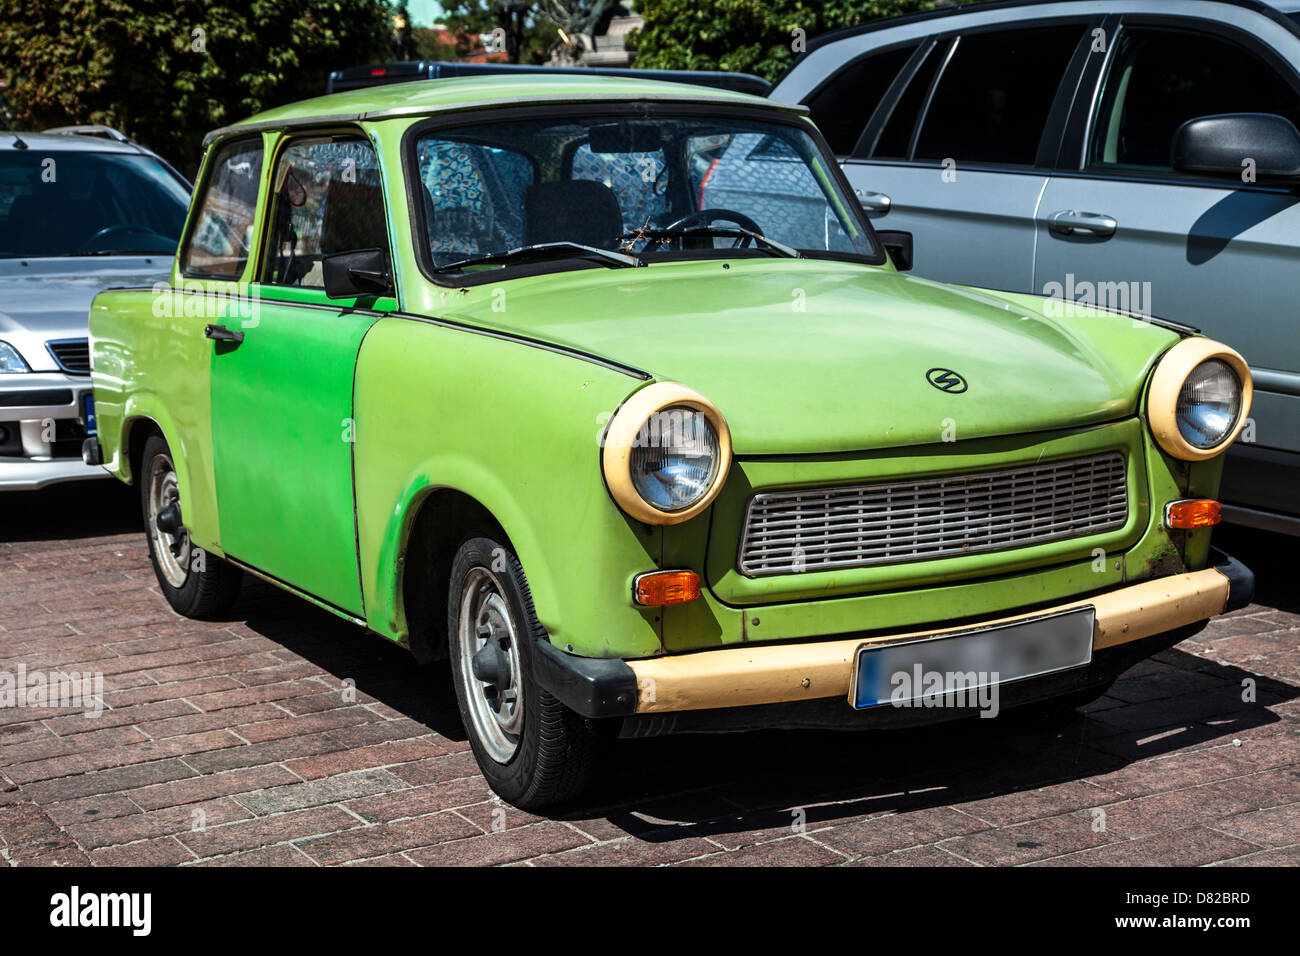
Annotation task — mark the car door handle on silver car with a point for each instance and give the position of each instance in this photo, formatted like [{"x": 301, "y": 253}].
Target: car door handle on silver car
[
  {"x": 873, "y": 202},
  {"x": 1068, "y": 222},
  {"x": 219, "y": 333}
]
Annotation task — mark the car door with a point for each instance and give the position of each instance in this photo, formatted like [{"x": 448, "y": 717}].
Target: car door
[
  {"x": 282, "y": 382},
  {"x": 958, "y": 151},
  {"x": 1119, "y": 226}
]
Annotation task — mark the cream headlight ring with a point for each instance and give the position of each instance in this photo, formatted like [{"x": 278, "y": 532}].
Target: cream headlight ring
[
  {"x": 1167, "y": 383},
  {"x": 622, "y": 431}
]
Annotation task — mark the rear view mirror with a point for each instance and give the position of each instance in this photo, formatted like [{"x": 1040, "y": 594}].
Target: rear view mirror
[
  {"x": 625, "y": 136},
  {"x": 1229, "y": 144},
  {"x": 899, "y": 246},
  {"x": 359, "y": 272}
]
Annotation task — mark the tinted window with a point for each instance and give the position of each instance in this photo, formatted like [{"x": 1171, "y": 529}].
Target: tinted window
[
  {"x": 842, "y": 106},
  {"x": 222, "y": 234},
  {"x": 897, "y": 135},
  {"x": 327, "y": 199},
  {"x": 993, "y": 98},
  {"x": 66, "y": 203},
  {"x": 1161, "y": 78}
]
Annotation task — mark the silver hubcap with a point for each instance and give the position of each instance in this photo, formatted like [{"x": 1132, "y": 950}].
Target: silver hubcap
[
  {"x": 486, "y": 630},
  {"x": 171, "y": 550}
]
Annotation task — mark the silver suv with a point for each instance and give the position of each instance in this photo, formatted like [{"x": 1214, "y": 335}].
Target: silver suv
[
  {"x": 81, "y": 209},
  {"x": 1136, "y": 154}
]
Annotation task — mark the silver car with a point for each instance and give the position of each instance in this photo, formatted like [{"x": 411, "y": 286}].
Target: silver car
[
  {"x": 1141, "y": 155},
  {"x": 80, "y": 211}
]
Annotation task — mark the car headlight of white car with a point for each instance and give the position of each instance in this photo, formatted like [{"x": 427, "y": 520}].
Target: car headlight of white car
[{"x": 10, "y": 360}]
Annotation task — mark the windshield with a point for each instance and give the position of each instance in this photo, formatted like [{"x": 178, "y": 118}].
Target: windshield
[
  {"x": 65, "y": 203},
  {"x": 656, "y": 188}
]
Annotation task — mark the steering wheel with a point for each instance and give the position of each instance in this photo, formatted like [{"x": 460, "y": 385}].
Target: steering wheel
[
  {"x": 114, "y": 230},
  {"x": 705, "y": 217}
]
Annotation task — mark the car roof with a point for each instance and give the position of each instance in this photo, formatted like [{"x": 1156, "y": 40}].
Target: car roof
[
  {"x": 424, "y": 97},
  {"x": 1275, "y": 9},
  {"x": 67, "y": 143}
]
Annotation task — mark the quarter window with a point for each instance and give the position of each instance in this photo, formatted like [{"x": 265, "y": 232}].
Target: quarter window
[
  {"x": 993, "y": 98},
  {"x": 1160, "y": 78},
  {"x": 222, "y": 234},
  {"x": 327, "y": 199},
  {"x": 842, "y": 106}
]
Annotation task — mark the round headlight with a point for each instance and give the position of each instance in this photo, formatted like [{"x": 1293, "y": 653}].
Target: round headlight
[
  {"x": 1199, "y": 398},
  {"x": 665, "y": 454},
  {"x": 1209, "y": 403},
  {"x": 675, "y": 458}
]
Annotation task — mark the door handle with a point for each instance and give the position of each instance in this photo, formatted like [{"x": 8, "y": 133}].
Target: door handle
[
  {"x": 1068, "y": 222},
  {"x": 219, "y": 333},
  {"x": 873, "y": 202}
]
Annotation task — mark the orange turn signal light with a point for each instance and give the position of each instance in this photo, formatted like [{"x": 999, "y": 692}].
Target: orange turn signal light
[
  {"x": 1192, "y": 513},
  {"x": 657, "y": 588}
]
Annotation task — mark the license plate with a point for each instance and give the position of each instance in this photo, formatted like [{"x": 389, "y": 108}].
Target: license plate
[
  {"x": 949, "y": 665},
  {"x": 88, "y": 412}
]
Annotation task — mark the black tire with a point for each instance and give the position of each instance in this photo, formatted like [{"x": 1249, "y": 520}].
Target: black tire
[
  {"x": 207, "y": 586},
  {"x": 556, "y": 750}
]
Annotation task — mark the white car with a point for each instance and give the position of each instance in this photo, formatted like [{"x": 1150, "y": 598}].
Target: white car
[{"x": 81, "y": 210}]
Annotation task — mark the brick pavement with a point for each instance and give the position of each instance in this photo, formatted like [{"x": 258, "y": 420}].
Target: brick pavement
[{"x": 233, "y": 743}]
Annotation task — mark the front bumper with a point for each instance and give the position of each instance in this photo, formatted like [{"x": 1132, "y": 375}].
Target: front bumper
[
  {"x": 813, "y": 670},
  {"x": 42, "y": 427}
]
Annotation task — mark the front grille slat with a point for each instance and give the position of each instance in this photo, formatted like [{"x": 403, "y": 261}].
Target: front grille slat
[
  {"x": 894, "y": 522},
  {"x": 71, "y": 355}
]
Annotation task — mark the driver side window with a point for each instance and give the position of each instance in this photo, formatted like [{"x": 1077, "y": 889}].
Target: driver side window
[
  {"x": 222, "y": 233},
  {"x": 326, "y": 199}
]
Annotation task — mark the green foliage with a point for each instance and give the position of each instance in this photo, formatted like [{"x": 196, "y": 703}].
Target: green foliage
[
  {"x": 746, "y": 36},
  {"x": 141, "y": 67}
]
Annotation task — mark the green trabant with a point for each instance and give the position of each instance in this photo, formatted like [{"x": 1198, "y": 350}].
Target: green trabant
[{"x": 606, "y": 391}]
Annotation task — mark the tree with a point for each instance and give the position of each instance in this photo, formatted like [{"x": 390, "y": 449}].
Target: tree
[
  {"x": 526, "y": 37},
  {"x": 166, "y": 71},
  {"x": 745, "y": 36}
]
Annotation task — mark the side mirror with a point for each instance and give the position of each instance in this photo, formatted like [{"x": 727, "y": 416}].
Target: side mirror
[
  {"x": 899, "y": 246},
  {"x": 360, "y": 272},
  {"x": 1226, "y": 145}
]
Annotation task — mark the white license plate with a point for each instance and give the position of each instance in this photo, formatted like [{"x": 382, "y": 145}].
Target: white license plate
[{"x": 949, "y": 665}]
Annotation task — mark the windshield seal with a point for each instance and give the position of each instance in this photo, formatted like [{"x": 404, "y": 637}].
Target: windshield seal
[{"x": 638, "y": 109}]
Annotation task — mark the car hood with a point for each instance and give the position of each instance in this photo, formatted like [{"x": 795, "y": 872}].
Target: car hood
[
  {"x": 813, "y": 356},
  {"x": 44, "y": 299}
]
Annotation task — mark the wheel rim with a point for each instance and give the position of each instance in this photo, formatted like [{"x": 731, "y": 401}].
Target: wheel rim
[
  {"x": 171, "y": 551},
  {"x": 496, "y": 709}
]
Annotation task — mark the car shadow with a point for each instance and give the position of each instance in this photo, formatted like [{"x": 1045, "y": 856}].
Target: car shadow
[
  {"x": 718, "y": 785},
  {"x": 70, "y": 511},
  {"x": 692, "y": 785}
]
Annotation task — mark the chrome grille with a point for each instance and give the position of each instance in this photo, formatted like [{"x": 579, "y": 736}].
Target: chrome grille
[
  {"x": 789, "y": 532},
  {"x": 71, "y": 355}
]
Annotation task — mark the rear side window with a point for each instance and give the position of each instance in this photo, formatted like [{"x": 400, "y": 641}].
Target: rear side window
[
  {"x": 1160, "y": 78},
  {"x": 222, "y": 235},
  {"x": 327, "y": 199},
  {"x": 842, "y": 106},
  {"x": 993, "y": 98}
]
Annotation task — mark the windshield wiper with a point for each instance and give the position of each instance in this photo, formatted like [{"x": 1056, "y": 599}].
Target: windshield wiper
[
  {"x": 722, "y": 232},
  {"x": 122, "y": 252},
  {"x": 540, "y": 251}
]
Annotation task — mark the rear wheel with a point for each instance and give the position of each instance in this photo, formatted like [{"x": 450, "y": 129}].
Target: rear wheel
[
  {"x": 532, "y": 749},
  {"x": 195, "y": 583}
]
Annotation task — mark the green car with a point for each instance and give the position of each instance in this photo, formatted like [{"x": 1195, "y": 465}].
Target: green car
[{"x": 606, "y": 391}]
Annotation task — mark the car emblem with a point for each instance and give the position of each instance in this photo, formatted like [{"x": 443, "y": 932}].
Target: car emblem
[{"x": 946, "y": 380}]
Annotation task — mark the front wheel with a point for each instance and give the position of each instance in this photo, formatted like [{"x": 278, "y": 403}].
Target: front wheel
[
  {"x": 532, "y": 749},
  {"x": 195, "y": 583}
]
